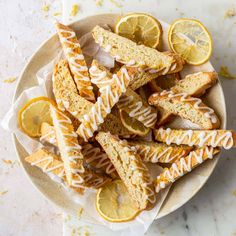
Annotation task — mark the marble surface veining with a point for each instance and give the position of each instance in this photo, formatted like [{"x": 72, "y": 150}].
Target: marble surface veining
[{"x": 24, "y": 26}]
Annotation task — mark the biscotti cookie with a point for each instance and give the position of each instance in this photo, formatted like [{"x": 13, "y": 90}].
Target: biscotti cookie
[
  {"x": 214, "y": 138},
  {"x": 183, "y": 166},
  {"x": 130, "y": 168},
  {"x": 187, "y": 107},
  {"x": 159, "y": 152},
  {"x": 76, "y": 61},
  {"x": 131, "y": 54}
]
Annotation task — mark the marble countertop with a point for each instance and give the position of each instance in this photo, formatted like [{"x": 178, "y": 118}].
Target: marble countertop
[{"x": 24, "y": 26}]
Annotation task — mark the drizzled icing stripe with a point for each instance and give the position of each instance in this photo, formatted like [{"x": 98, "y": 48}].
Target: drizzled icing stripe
[
  {"x": 214, "y": 138},
  {"x": 98, "y": 159},
  {"x": 69, "y": 147},
  {"x": 138, "y": 110},
  {"x": 155, "y": 155},
  {"x": 166, "y": 68},
  {"x": 184, "y": 165},
  {"x": 76, "y": 61},
  {"x": 109, "y": 96},
  {"x": 184, "y": 97},
  {"x": 46, "y": 162},
  {"x": 141, "y": 169}
]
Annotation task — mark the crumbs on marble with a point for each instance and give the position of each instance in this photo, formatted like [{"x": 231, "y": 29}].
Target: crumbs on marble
[
  {"x": 57, "y": 14},
  {"x": 3, "y": 192},
  {"x": 80, "y": 212},
  {"x": 10, "y": 80},
  {"x": 74, "y": 10},
  {"x": 231, "y": 12},
  {"x": 46, "y": 7},
  {"x": 8, "y": 162},
  {"x": 99, "y": 3},
  {"x": 224, "y": 71},
  {"x": 67, "y": 218},
  {"x": 234, "y": 193},
  {"x": 116, "y": 3}
]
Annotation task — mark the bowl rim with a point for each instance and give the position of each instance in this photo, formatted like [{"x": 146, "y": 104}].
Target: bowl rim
[{"x": 15, "y": 140}]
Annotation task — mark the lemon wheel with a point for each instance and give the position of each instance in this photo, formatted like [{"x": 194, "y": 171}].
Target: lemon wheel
[
  {"x": 33, "y": 114},
  {"x": 191, "y": 40},
  {"x": 133, "y": 125},
  {"x": 114, "y": 203},
  {"x": 140, "y": 28}
]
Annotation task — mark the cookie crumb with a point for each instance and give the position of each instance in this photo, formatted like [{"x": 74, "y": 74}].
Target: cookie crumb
[
  {"x": 79, "y": 213},
  {"x": 3, "y": 193},
  {"x": 46, "y": 8},
  {"x": 74, "y": 10},
  {"x": 10, "y": 80},
  {"x": 230, "y": 13},
  {"x": 99, "y": 3},
  {"x": 8, "y": 162},
  {"x": 57, "y": 14}
]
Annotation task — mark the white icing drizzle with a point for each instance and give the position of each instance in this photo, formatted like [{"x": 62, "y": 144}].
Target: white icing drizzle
[
  {"x": 71, "y": 147},
  {"x": 73, "y": 57},
  {"x": 154, "y": 155},
  {"x": 203, "y": 138},
  {"x": 50, "y": 136},
  {"x": 139, "y": 111},
  {"x": 110, "y": 94},
  {"x": 184, "y": 97},
  {"x": 94, "y": 155},
  {"x": 47, "y": 162},
  {"x": 183, "y": 166},
  {"x": 140, "y": 168}
]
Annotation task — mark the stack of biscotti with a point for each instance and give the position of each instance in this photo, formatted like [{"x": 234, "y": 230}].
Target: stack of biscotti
[{"x": 94, "y": 144}]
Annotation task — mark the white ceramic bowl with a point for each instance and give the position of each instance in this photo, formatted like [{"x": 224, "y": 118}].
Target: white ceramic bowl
[{"x": 182, "y": 191}]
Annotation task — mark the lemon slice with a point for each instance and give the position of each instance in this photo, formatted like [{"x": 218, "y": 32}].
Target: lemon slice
[
  {"x": 191, "y": 40},
  {"x": 114, "y": 203},
  {"x": 132, "y": 124},
  {"x": 33, "y": 114},
  {"x": 140, "y": 28}
]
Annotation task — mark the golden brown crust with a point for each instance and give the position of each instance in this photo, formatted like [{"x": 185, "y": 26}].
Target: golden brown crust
[
  {"x": 214, "y": 138},
  {"x": 159, "y": 152},
  {"x": 183, "y": 166},
  {"x": 76, "y": 60},
  {"x": 186, "y": 107}
]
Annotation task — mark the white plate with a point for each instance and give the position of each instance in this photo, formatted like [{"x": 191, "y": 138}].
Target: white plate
[{"x": 183, "y": 190}]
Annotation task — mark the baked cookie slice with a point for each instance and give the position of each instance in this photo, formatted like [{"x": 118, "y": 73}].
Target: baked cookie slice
[
  {"x": 187, "y": 107},
  {"x": 77, "y": 176},
  {"x": 130, "y": 168},
  {"x": 109, "y": 96},
  {"x": 130, "y": 102},
  {"x": 94, "y": 156},
  {"x": 194, "y": 85},
  {"x": 51, "y": 163},
  {"x": 131, "y": 54},
  {"x": 183, "y": 166},
  {"x": 213, "y": 138},
  {"x": 68, "y": 99},
  {"x": 159, "y": 152},
  {"x": 78, "y": 67}
]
